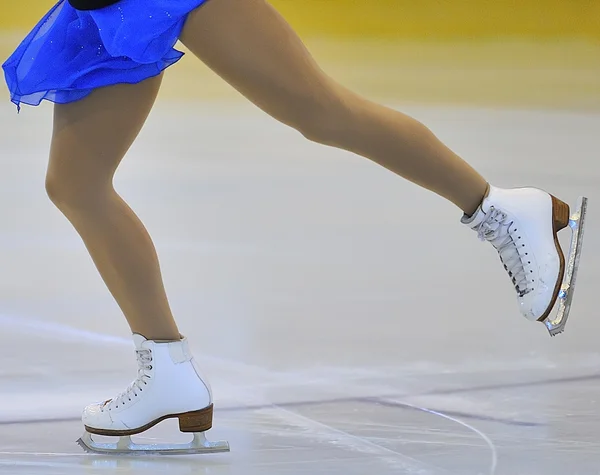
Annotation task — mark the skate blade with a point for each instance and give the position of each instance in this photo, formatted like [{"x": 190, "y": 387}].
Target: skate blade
[
  {"x": 125, "y": 446},
  {"x": 557, "y": 324}
]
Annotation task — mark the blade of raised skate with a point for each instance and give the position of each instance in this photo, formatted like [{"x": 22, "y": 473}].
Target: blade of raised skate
[
  {"x": 125, "y": 446},
  {"x": 557, "y": 324}
]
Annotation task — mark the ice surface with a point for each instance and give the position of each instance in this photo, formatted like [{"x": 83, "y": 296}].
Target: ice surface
[{"x": 349, "y": 324}]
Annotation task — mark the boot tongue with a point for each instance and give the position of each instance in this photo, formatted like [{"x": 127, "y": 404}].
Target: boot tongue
[{"x": 138, "y": 341}]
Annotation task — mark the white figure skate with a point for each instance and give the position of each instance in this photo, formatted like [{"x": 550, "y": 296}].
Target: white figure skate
[
  {"x": 168, "y": 385},
  {"x": 522, "y": 224}
]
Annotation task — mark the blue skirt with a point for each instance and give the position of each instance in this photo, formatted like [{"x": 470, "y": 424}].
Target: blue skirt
[{"x": 70, "y": 53}]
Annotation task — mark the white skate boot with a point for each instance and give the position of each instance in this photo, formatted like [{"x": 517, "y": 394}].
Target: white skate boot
[
  {"x": 168, "y": 386},
  {"x": 522, "y": 224}
]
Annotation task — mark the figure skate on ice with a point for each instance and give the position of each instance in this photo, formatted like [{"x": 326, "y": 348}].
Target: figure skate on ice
[
  {"x": 522, "y": 224},
  {"x": 168, "y": 386}
]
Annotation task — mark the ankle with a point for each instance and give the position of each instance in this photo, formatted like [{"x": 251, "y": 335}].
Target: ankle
[
  {"x": 160, "y": 337},
  {"x": 471, "y": 207}
]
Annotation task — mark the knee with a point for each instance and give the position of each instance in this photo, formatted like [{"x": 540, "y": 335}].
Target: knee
[
  {"x": 318, "y": 129},
  {"x": 71, "y": 193},
  {"x": 322, "y": 118}
]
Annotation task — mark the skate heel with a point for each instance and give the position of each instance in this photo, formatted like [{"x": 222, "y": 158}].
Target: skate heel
[
  {"x": 196, "y": 421},
  {"x": 560, "y": 214}
]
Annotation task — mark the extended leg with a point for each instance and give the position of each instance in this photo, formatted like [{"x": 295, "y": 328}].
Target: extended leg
[
  {"x": 254, "y": 49},
  {"x": 251, "y": 46}
]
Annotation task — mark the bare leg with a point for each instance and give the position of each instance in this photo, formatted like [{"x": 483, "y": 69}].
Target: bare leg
[
  {"x": 251, "y": 46},
  {"x": 89, "y": 140}
]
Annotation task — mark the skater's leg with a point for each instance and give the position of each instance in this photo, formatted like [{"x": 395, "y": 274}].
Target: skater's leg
[
  {"x": 90, "y": 138},
  {"x": 252, "y": 47}
]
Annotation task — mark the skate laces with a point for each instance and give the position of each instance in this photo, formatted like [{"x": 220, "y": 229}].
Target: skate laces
[
  {"x": 497, "y": 230},
  {"x": 144, "y": 359}
]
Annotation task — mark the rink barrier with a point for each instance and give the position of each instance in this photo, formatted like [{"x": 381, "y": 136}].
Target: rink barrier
[{"x": 409, "y": 19}]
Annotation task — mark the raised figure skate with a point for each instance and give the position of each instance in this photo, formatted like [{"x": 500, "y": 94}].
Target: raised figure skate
[
  {"x": 168, "y": 386},
  {"x": 522, "y": 224}
]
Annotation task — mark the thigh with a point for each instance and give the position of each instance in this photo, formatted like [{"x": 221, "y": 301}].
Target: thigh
[
  {"x": 250, "y": 45},
  {"x": 91, "y": 136}
]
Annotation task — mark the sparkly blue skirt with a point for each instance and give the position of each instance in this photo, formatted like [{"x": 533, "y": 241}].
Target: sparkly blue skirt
[{"x": 70, "y": 53}]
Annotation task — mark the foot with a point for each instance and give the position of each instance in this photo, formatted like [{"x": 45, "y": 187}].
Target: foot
[
  {"x": 522, "y": 225},
  {"x": 168, "y": 385}
]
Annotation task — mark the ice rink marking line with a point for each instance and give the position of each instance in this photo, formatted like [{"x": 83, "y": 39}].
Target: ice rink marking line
[{"x": 488, "y": 441}]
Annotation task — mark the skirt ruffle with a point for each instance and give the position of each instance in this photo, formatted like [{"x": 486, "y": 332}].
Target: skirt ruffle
[{"x": 70, "y": 53}]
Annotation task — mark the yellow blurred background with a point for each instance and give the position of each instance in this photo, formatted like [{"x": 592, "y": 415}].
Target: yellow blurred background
[{"x": 513, "y": 53}]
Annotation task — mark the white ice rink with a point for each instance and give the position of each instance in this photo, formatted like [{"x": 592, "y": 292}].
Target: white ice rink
[{"x": 348, "y": 323}]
